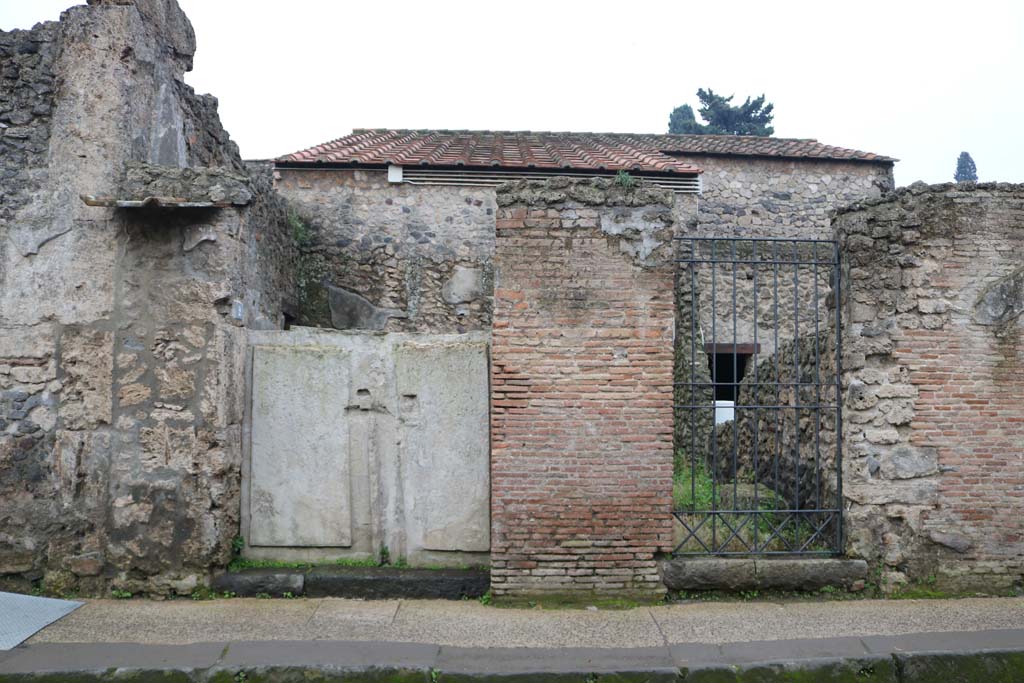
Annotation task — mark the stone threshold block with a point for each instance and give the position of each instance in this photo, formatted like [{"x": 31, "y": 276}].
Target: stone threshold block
[
  {"x": 737, "y": 574},
  {"x": 356, "y": 582}
]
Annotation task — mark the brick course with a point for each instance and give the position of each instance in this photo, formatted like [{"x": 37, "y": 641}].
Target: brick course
[{"x": 582, "y": 388}]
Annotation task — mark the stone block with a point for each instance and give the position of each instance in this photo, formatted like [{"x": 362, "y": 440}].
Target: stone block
[
  {"x": 252, "y": 582},
  {"x": 87, "y": 361},
  {"x": 37, "y": 342},
  {"x": 809, "y": 573},
  {"x": 709, "y": 574},
  {"x": 737, "y": 574},
  {"x": 389, "y": 583},
  {"x": 351, "y": 311},
  {"x": 443, "y": 417},
  {"x": 905, "y": 462},
  {"x": 15, "y": 561},
  {"x": 465, "y": 285},
  {"x": 300, "y": 488},
  {"x": 89, "y": 564}
]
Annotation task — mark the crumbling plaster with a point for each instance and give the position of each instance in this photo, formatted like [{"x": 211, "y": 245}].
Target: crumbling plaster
[{"x": 122, "y": 331}]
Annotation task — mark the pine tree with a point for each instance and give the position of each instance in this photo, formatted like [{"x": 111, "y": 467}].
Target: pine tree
[
  {"x": 753, "y": 117},
  {"x": 966, "y": 171}
]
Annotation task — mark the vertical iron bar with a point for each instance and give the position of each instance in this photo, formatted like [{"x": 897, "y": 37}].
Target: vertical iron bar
[
  {"x": 817, "y": 391},
  {"x": 839, "y": 505},
  {"x": 777, "y": 445},
  {"x": 735, "y": 385},
  {"x": 757, "y": 401},
  {"x": 714, "y": 403},
  {"x": 693, "y": 357},
  {"x": 796, "y": 388}
]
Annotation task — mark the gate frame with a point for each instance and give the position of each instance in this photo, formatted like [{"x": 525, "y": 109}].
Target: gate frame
[{"x": 832, "y": 515}]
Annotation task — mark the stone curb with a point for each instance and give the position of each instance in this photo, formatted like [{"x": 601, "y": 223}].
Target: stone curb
[
  {"x": 356, "y": 582},
  {"x": 984, "y": 656},
  {"x": 766, "y": 574}
]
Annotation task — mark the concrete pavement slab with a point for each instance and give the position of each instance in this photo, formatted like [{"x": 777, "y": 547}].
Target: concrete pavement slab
[
  {"x": 470, "y": 624},
  {"x": 345, "y": 619},
  {"x": 182, "y": 621},
  {"x": 755, "y": 621}
]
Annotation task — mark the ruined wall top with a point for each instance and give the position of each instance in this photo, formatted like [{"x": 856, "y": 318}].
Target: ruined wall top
[
  {"x": 591, "y": 192},
  {"x": 910, "y": 193},
  {"x": 168, "y": 21}
]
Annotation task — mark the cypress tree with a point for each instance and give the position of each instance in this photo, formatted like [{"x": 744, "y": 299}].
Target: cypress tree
[{"x": 965, "y": 169}]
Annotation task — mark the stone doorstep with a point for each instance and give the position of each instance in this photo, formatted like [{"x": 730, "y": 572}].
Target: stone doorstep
[
  {"x": 983, "y": 656},
  {"x": 356, "y": 582},
  {"x": 736, "y": 574}
]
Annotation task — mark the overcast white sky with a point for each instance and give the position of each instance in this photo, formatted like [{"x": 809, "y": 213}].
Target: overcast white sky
[{"x": 920, "y": 81}]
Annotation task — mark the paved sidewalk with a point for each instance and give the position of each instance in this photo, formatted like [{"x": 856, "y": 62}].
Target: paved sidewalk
[{"x": 444, "y": 639}]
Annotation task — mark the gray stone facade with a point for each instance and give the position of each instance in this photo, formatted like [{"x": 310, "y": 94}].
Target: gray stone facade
[
  {"x": 122, "y": 330},
  {"x": 128, "y": 451},
  {"x": 396, "y": 257}
]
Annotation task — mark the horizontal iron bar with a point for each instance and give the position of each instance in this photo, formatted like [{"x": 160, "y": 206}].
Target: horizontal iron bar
[
  {"x": 745, "y": 382},
  {"x": 730, "y": 511},
  {"x": 755, "y": 552},
  {"x": 809, "y": 406}
]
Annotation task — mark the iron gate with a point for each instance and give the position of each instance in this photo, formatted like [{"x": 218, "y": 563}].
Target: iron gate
[{"x": 758, "y": 418}]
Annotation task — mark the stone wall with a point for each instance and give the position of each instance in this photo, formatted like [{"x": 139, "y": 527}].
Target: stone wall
[
  {"x": 581, "y": 424},
  {"x": 26, "y": 106},
  {"x": 122, "y": 331},
  {"x": 392, "y": 256},
  {"x": 934, "y": 376},
  {"x": 763, "y": 197}
]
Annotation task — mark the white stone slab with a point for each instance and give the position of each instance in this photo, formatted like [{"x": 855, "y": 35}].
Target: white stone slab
[
  {"x": 443, "y": 411},
  {"x": 23, "y": 615},
  {"x": 300, "y": 481}
]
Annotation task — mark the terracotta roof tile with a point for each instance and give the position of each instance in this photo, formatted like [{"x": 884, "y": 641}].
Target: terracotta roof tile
[{"x": 537, "y": 150}]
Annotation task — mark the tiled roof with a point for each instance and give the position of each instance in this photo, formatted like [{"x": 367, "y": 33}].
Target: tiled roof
[
  {"x": 554, "y": 151},
  {"x": 752, "y": 145}
]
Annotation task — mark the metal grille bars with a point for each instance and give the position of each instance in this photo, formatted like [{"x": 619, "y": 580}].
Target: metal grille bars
[{"x": 757, "y": 394}]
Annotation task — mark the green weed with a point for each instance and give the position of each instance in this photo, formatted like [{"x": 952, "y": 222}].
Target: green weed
[{"x": 625, "y": 180}]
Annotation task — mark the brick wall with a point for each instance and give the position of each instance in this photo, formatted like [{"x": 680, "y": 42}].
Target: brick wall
[
  {"x": 581, "y": 387},
  {"x": 934, "y": 375}
]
